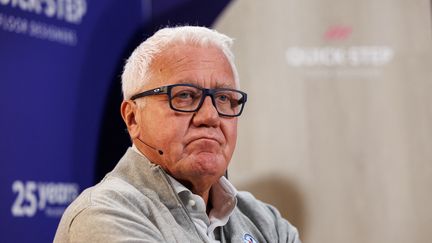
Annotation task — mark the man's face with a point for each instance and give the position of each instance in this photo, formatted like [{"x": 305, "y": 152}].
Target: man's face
[{"x": 197, "y": 147}]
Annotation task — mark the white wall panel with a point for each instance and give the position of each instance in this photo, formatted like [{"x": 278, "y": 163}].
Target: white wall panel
[{"x": 337, "y": 133}]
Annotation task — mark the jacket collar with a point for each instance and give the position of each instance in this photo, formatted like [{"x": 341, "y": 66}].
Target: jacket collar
[{"x": 146, "y": 177}]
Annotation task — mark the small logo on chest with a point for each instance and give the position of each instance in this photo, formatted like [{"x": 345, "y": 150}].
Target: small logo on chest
[{"x": 247, "y": 238}]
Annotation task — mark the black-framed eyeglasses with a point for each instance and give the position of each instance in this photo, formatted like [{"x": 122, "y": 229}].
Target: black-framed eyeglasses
[{"x": 189, "y": 98}]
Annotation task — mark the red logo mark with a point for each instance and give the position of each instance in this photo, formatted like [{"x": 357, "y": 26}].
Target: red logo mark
[{"x": 337, "y": 33}]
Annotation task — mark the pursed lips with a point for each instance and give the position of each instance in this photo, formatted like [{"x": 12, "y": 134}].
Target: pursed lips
[{"x": 204, "y": 137}]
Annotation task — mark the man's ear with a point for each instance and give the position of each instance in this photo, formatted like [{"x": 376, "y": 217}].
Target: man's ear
[{"x": 128, "y": 110}]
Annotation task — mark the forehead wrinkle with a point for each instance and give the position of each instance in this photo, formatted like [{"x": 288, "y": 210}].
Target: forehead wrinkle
[
  {"x": 183, "y": 63},
  {"x": 178, "y": 60},
  {"x": 170, "y": 64},
  {"x": 177, "y": 56}
]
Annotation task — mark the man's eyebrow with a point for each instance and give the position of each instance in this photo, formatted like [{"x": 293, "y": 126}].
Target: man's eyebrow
[
  {"x": 218, "y": 85},
  {"x": 225, "y": 85}
]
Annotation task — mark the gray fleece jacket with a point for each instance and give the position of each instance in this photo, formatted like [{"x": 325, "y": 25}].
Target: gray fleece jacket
[{"x": 136, "y": 203}]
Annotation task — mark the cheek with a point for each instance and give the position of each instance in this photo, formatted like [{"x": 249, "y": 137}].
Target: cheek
[
  {"x": 230, "y": 132},
  {"x": 172, "y": 132}
]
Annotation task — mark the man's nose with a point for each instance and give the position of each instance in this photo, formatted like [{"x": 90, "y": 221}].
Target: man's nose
[{"x": 207, "y": 115}]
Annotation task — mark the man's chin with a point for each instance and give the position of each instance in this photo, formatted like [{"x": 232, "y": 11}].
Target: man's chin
[{"x": 209, "y": 164}]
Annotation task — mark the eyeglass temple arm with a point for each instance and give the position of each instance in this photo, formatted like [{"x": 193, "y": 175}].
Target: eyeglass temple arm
[{"x": 156, "y": 91}]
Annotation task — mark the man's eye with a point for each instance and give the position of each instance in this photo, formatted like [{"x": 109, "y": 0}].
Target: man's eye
[
  {"x": 185, "y": 95},
  {"x": 223, "y": 97}
]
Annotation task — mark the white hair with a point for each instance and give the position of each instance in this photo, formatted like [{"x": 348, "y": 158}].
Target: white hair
[{"x": 136, "y": 71}]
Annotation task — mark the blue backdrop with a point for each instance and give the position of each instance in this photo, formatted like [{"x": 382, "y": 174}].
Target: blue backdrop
[{"x": 60, "y": 127}]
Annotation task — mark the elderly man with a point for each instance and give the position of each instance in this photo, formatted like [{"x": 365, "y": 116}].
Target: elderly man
[{"x": 181, "y": 105}]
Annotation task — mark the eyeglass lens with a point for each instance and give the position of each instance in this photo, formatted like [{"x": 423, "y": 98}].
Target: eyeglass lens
[{"x": 187, "y": 98}]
